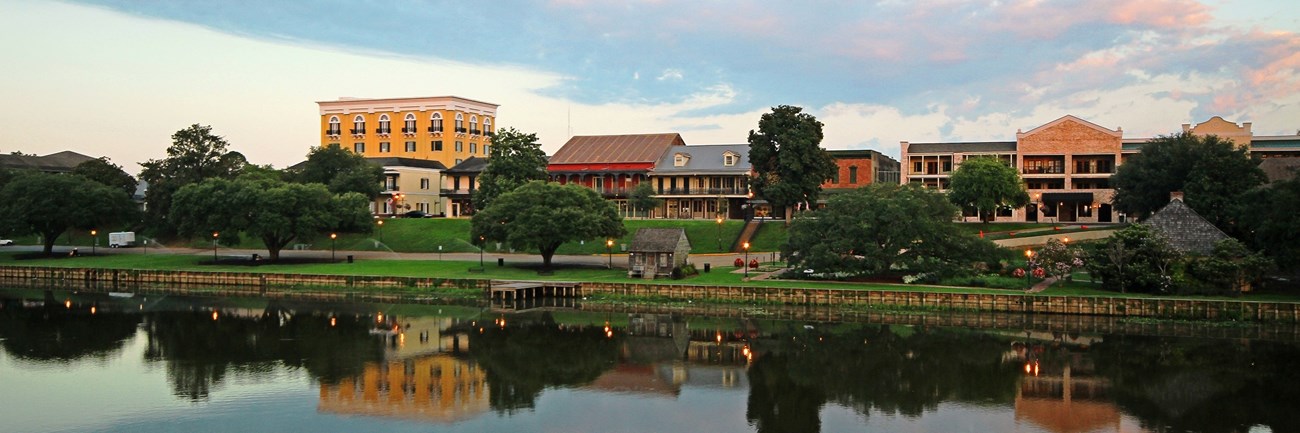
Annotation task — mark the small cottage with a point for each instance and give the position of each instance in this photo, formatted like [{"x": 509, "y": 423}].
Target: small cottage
[
  {"x": 656, "y": 252},
  {"x": 1186, "y": 230}
]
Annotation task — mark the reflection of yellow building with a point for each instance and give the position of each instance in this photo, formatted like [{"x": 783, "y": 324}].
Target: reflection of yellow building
[
  {"x": 438, "y": 388},
  {"x": 1062, "y": 402}
]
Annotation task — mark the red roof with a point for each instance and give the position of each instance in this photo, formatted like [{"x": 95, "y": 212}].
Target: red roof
[{"x": 615, "y": 149}]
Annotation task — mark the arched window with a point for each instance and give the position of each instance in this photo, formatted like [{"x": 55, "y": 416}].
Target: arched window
[
  {"x": 358, "y": 125},
  {"x": 460, "y": 123},
  {"x": 334, "y": 128},
  {"x": 436, "y": 122},
  {"x": 384, "y": 126},
  {"x": 409, "y": 127},
  {"x": 487, "y": 127},
  {"x": 473, "y": 125}
]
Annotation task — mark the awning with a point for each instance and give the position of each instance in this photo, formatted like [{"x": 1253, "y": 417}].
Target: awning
[{"x": 1078, "y": 197}]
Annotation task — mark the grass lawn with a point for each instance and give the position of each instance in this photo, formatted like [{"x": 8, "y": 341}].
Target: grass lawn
[{"x": 771, "y": 236}]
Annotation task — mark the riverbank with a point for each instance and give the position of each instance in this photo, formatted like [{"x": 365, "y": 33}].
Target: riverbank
[{"x": 436, "y": 290}]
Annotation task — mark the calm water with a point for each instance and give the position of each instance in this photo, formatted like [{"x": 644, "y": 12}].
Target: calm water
[{"x": 88, "y": 362}]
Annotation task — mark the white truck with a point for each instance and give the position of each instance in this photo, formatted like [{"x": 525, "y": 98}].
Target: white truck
[{"x": 121, "y": 239}]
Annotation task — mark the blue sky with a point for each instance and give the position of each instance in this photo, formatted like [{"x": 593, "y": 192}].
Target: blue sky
[{"x": 874, "y": 72}]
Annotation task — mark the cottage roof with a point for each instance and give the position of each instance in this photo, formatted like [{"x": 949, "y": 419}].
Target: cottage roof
[
  {"x": 706, "y": 159},
  {"x": 61, "y": 162},
  {"x": 1186, "y": 230},
  {"x": 601, "y": 149},
  {"x": 653, "y": 240}
]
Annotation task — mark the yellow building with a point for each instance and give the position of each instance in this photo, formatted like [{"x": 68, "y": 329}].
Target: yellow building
[{"x": 414, "y": 139}]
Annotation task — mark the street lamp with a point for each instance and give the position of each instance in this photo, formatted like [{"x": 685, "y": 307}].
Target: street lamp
[
  {"x": 333, "y": 237},
  {"x": 1029, "y": 260},
  {"x": 719, "y": 220},
  {"x": 94, "y": 234},
  {"x": 214, "y": 246},
  {"x": 481, "y": 242},
  {"x": 381, "y": 230},
  {"x": 609, "y": 249},
  {"x": 746, "y": 247}
]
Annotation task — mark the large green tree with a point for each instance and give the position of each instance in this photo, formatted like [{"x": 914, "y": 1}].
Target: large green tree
[
  {"x": 642, "y": 198},
  {"x": 106, "y": 172},
  {"x": 1210, "y": 171},
  {"x": 273, "y": 211},
  {"x": 987, "y": 184},
  {"x": 884, "y": 228},
  {"x": 544, "y": 216},
  {"x": 1268, "y": 216},
  {"x": 1135, "y": 258},
  {"x": 196, "y": 154},
  {"x": 49, "y": 204},
  {"x": 341, "y": 171},
  {"x": 517, "y": 158},
  {"x": 789, "y": 163}
]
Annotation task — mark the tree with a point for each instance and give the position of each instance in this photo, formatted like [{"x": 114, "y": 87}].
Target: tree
[
  {"x": 49, "y": 204},
  {"x": 787, "y": 157},
  {"x": 517, "y": 158},
  {"x": 276, "y": 212},
  {"x": 340, "y": 170},
  {"x": 1135, "y": 258},
  {"x": 642, "y": 198},
  {"x": 1231, "y": 267},
  {"x": 195, "y": 155},
  {"x": 1268, "y": 215},
  {"x": 883, "y": 228},
  {"x": 987, "y": 184},
  {"x": 1058, "y": 259},
  {"x": 544, "y": 215},
  {"x": 106, "y": 172},
  {"x": 1210, "y": 171}
]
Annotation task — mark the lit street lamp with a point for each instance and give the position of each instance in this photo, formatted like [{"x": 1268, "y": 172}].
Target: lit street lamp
[
  {"x": 333, "y": 238},
  {"x": 746, "y": 247},
  {"x": 719, "y": 233},
  {"x": 94, "y": 234},
  {"x": 381, "y": 230},
  {"x": 481, "y": 242},
  {"x": 214, "y": 247},
  {"x": 609, "y": 249},
  {"x": 1029, "y": 260}
]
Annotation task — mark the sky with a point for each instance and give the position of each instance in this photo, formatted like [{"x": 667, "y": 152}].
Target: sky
[{"x": 116, "y": 78}]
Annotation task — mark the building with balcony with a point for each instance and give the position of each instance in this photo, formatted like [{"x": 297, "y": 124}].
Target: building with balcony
[
  {"x": 610, "y": 164},
  {"x": 859, "y": 168},
  {"x": 458, "y": 185},
  {"x": 447, "y": 129},
  {"x": 1067, "y": 164},
  {"x": 409, "y": 185},
  {"x": 702, "y": 181}
]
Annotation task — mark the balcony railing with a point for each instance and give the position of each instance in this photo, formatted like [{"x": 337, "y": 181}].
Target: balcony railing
[
  {"x": 383, "y": 130},
  {"x": 333, "y": 132},
  {"x": 361, "y": 131},
  {"x": 704, "y": 191},
  {"x": 489, "y": 133},
  {"x": 410, "y": 130},
  {"x": 435, "y": 129},
  {"x": 1043, "y": 170},
  {"x": 461, "y": 130},
  {"x": 475, "y": 132}
]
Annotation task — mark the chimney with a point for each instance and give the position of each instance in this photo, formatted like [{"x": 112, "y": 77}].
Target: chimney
[{"x": 1176, "y": 195}]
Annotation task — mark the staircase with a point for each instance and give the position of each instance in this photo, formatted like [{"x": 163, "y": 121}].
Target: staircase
[{"x": 746, "y": 234}]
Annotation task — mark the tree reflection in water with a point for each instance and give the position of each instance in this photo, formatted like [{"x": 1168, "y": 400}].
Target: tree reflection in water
[
  {"x": 872, "y": 368},
  {"x": 55, "y": 332},
  {"x": 522, "y": 360}
]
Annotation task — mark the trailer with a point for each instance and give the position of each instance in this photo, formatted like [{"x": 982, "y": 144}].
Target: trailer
[{"x": 121, "y": 239}]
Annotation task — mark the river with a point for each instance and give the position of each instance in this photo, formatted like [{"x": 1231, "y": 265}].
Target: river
[{"x": 134, "y": 363}]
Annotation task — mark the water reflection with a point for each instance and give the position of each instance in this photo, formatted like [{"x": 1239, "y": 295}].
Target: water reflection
[{"x": 483, "y": 370}]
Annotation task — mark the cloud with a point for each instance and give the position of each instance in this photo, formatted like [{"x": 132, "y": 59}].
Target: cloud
[{"x": 670, "y": 74}]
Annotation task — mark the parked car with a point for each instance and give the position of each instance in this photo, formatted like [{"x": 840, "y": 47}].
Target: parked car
[
  {"x": 6, "y": 242},
  {"x": 416, "y": 214}
]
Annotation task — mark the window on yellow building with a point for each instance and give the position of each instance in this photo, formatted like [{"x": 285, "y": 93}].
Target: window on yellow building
[
  {"x": 473, "y": 125},
  {"x": 410, "y": 146},
  {"x": 383, "y": 147},
  {"x": 460, "y": 123},
  {"x": 460, "y": 146},
  {"x": 436, "y": 145},
  {"x": 487, "y": 130},
  {"x": 409, "y": 127},
  {"x": 436, "y": 123},
  {"x": 485, "y": 150},
  {"x": 359, "y": 147},
  {"x": 384, "y": 125},
  {"x": 358, "y": 125},
  {"x": 334, "y": 128},
  {"x": 473, "y": 147}
]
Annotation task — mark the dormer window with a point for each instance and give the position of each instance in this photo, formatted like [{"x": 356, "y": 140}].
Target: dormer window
[
  {"x": 334, "y": 128},
  {"x": 680, "y": 159},
  {"x": 408, "y": 126},
  {"x": 435, "y": 122},
  {"x": 385, "y": 126},
  {"x": 358, "y": 125},
  {"x": 729, "y": 159}
]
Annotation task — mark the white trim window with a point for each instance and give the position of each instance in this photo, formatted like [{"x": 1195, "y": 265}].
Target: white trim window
[
  {"x": 460, "y": 123},
  {"x": 335, "y": 127},
  {"x": 435, "y": 120},
  {"x": 729, "y": 159},
  {"x": 359, "y": 125},
  {"x": 408, "y": 126},
  {"x": 384, "y": 147},
  {"x": 410, "y": 146},
  {"x": 473, "y": 125},
  {"x": 487, "y": 129},
  {"x": 385, "y": 126}
]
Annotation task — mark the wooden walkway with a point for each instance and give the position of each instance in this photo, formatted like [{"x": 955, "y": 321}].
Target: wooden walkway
[{"x": 522, "y": 290}]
